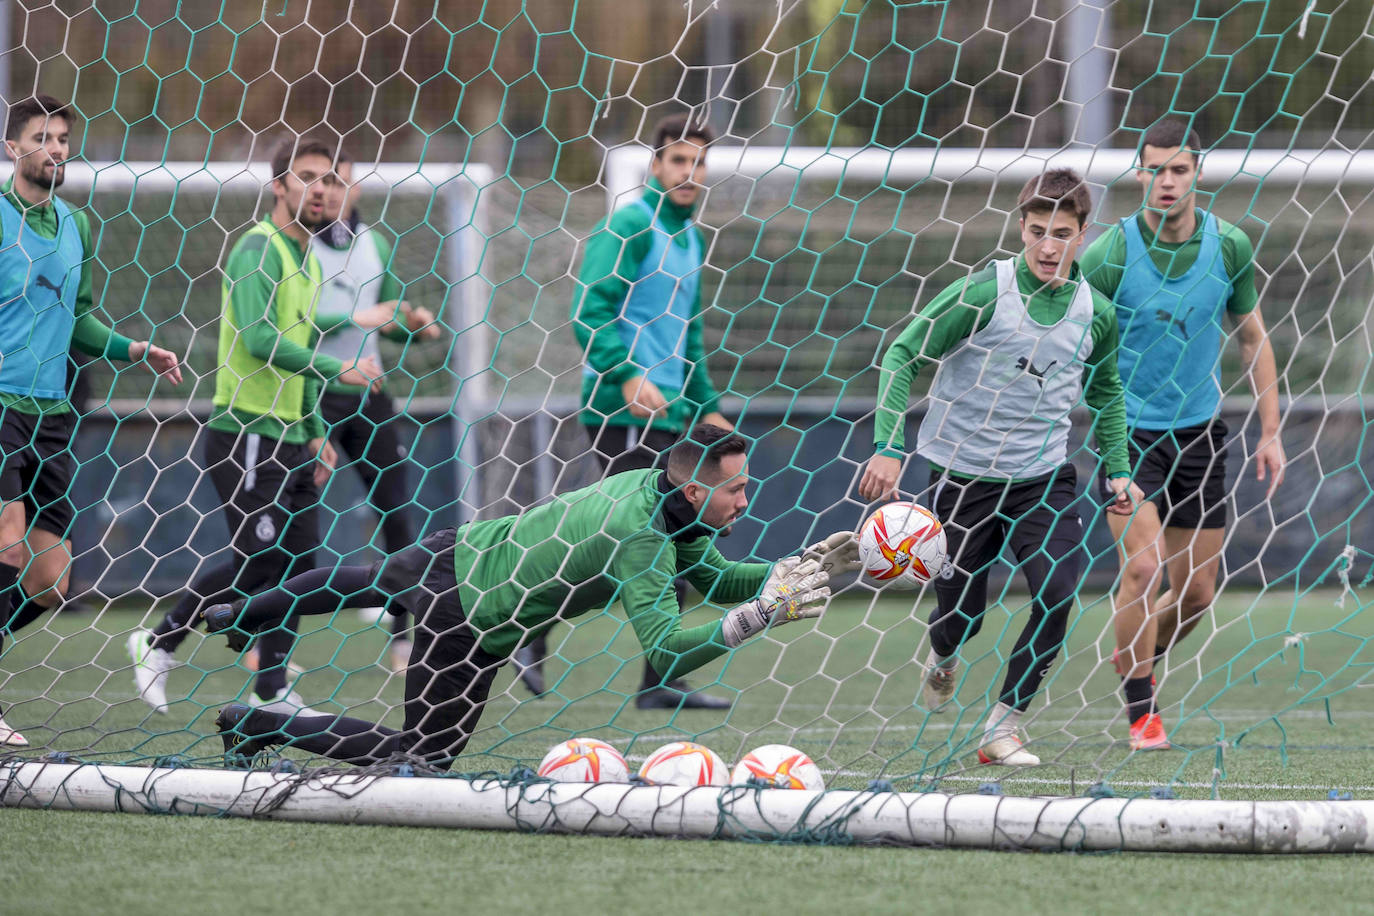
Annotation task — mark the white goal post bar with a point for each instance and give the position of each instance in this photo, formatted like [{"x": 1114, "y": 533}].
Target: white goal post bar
[
  {"x": 628, "y": 165},
  {"x": 607, "y": 809}
]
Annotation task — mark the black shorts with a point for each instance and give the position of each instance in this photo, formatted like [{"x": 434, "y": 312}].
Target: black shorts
[
  {"x": 367, "y": 428},
  {"x": 38, "y": 467},
  {"x": 982, "y": 518},
  {"x": 1183, "y": 472},
  {"x": 421, "y": 578},
  {"x": 268, "y": 492},
  {"x": 629, "y": 448}
]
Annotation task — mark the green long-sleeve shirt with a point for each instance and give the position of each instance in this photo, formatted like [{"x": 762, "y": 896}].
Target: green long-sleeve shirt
[
  {"x": 253, "y": 270},
  {"x": 610, "y": 262},
  {"x": 89, "y": 335},
  {"x": 965, "y": 307},
  {"x": 585, "y": 550}
]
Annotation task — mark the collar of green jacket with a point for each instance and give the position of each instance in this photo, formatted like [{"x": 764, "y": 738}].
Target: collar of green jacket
[
  {"x": 674, "y": 216},
  {"x": 680, "y": 517},
  {"x": 1033, "y": 286}
]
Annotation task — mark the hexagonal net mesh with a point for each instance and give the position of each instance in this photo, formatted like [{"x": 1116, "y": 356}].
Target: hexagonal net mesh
[{"x": 831, "y": 233}]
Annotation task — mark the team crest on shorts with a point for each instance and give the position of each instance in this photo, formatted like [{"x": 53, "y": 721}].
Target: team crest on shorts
[{"x": 266, "y": 529}]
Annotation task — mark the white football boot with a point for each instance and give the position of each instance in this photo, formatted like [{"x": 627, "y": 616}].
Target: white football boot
[{"x": 151, "y": 667}]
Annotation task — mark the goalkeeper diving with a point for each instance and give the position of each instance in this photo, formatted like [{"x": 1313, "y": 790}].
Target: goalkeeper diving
[{"x": 481, "y": 591}]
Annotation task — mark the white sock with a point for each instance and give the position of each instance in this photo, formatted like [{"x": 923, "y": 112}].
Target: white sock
[
  {"x": 943, "y": 661},
  {"x": 1003, "y": 721}
]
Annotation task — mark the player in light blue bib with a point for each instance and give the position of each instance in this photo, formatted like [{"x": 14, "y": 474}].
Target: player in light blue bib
[{"x": 1174, "y": 273}]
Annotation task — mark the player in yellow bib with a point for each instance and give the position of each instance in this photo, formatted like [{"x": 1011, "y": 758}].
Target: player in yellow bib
[{"x": 264, "y": 447}]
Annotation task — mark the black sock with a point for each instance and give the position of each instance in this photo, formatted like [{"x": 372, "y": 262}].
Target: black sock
[
  {"x": 1140, "y": 697},
  {"x": 319, "y": 591},
  {"x": 9, "y": 584},
  {"x": 350, "y": 740},
  {"x": 26, "y": 610},
  {"x": 210, "y": 587}
]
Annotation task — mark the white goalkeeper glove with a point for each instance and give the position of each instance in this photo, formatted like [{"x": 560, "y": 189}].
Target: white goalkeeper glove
[
  {"x": 838, "y": 553},
  {"x": 795, "y": 589}
]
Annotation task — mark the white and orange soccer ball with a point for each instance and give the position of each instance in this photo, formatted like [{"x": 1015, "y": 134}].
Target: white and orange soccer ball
[
  {"x": 779, "y": 766},
  {"x": 902, "y": 544},
  {"x": 684, "y": 763},
  {"x": 584, "y": 760}
]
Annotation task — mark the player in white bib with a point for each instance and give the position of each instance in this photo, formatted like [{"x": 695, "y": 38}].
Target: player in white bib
[
  {"x": 360, "y": 301},
  {"x": 1019, "y": 344}
]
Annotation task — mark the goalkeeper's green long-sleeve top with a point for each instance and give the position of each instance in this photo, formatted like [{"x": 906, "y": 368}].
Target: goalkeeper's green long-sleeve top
[
  {"x": 965, "y": 307},
  {"x": 624, "y": 539}
]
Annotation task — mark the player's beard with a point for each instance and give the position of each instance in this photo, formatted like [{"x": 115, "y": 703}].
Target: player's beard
[{"x": 37, "y": 176}]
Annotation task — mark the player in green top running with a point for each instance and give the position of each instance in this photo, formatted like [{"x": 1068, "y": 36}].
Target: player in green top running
[
  {"x": 1019, "y": 345},
  {"x": 46, "y": 259},
  {"x": 481, "y": 591},
  {"x": 637, "y": 314},
  {"x": 1173, "y": 271},
  {"x": 264, "y": 447}
]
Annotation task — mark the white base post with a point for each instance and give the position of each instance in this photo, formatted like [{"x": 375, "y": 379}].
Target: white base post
[{"x": 908, "y": 819}]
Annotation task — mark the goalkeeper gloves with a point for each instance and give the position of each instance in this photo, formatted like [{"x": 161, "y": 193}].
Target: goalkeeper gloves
[
  {"x": 796, "y": 589},
  {"x": 838, "y": 553}
]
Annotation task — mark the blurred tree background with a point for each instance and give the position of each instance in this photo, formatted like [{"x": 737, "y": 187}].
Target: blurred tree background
[{"x": 542, "y": 86}]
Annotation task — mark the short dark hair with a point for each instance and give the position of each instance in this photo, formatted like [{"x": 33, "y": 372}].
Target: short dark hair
[
  {"x": 1056, "y": 189},
  {"x": 36, "y": 106},
  {"x": 681, "y": 127},
  {"x": 1168, "y": 133},
  {"x": 702, "y": 450},
  {"x": 291, "y": 149}
]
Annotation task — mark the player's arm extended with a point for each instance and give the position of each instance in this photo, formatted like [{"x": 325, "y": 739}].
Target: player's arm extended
[
  {"x": 936, "y": 330},
  {"x": 721, "y": 581},
  {"x": 252, "y": 273},
  {"x": 644, "y": 565},
  {"x": 610, "y": 262},
  {"x": 90, "y": 335},
  {"x": 1103, "y": 392}
]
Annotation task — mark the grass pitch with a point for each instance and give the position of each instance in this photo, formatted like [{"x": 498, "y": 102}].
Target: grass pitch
[{"x": 1267, "y": 700}]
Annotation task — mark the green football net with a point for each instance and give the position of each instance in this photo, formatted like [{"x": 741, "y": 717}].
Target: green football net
[{"x": 870, "y": 153}]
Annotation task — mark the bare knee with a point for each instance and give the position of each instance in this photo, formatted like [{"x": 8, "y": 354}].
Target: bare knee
[
  {"x": 1140, "y": 574},
  {"x": 1196, "y": 599},
  {"x": 14, "y": 555}
]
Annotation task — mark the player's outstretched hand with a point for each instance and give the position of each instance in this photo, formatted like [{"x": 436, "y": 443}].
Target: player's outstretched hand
[
  {"x": 162, "y": 362},
  {"x": 796, "y": 589},
  {"x": 839, "y": 553},
  {"x": 880, "y": 478}
]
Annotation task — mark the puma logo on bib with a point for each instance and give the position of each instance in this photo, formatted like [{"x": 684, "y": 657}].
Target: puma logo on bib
[
  {"x": 1038, "y": 374},
  {"x": 48, "y": 284}
]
